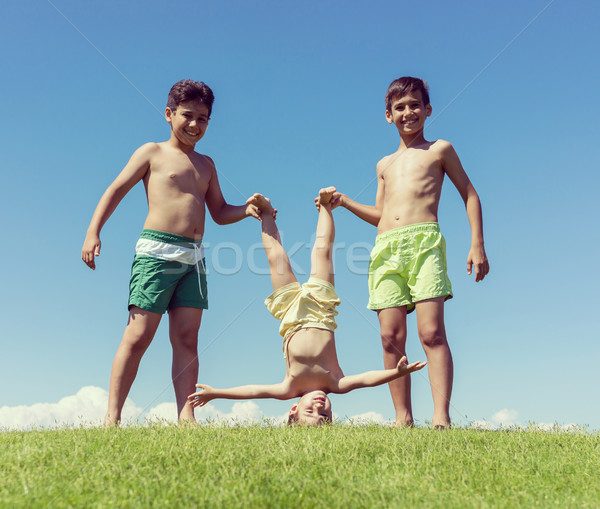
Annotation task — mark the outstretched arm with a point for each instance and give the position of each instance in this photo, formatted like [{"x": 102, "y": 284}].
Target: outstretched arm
[
  {"x": 208, "y": 393},
  {"x": 374, "y": 378}
]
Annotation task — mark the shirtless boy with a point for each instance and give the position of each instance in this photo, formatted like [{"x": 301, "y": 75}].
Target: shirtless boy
[
  {"x": 408, "y": 263},
  {"x": 168, "y": 272},
  {"x": 307, "y": 323}
]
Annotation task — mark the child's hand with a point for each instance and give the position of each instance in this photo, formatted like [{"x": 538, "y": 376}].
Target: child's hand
[
  {"x": 252, "y": 210},
  {"x": 91, "y": 248},
  {"x": 478, "y": 259},
  {"x": 261, "y": 205},
  {"x": 202, "y": 397},
  {"x": 405, "y": 368},
  {"x": 335, "y": 199}
]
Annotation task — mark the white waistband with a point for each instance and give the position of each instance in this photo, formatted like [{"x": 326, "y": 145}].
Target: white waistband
[{"x": 171, "y": 252}]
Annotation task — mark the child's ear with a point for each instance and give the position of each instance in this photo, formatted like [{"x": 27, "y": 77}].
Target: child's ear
[
  {"x": 168, "y": 114},
  {"x": 388, "y": 117},
  {"x": 294, "y": 409},
  {"x": 428, "y": 110}
]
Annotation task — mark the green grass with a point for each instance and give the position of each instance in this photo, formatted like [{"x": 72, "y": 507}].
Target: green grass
[{"x": 266, "y": 466}]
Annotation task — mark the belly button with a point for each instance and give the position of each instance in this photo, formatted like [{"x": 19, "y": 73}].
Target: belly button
[
  {"x": 397, "y": 218},
  {"x": 173, "y": 175}
]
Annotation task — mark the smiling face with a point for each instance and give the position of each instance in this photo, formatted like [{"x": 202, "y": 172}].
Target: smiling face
[
  {"x": 408, "y": 113},
  {"x": 188, "y": 122},
  {"x": 313, "y": 409}
]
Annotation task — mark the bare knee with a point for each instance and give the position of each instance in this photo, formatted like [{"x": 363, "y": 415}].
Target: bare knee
[
  {"x": 432, "y": 336},
  {"x": 137, "y": 341},
  {"x": 184, "y": 338},
  {"x": 393, "y": 338}
]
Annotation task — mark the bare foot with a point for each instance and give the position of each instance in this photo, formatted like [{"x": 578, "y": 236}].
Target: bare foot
[
  {"x": 403, "y": 424},
  {"x": 109, "y": 422},
  {"x": 258, "y": 200},
  {"x": 326, "y": 194}
]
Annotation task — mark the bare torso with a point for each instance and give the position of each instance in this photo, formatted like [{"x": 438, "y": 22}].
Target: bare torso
[
  {"x": 412, "y": 181},
  {"x": 312, "y": 362},
  {"x": 176, "y": 184}
]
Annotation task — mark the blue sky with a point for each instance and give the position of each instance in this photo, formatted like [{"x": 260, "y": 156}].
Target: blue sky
[{"x": 299, "y": 92}]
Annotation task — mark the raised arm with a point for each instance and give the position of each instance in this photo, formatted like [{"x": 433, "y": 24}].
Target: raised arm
[
  {"x": 374, "y": 378},
  {"x": 220, "y": 210},
  {"x": 133, "y": 172},
  {"x": 208, "y": 393},
  {"x": 452, "y": 166}
]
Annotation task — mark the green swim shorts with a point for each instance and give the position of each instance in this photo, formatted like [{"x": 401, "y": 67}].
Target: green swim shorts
[
  {"x": 408, "y": 265},
  {"x": 168, "y": 271}
]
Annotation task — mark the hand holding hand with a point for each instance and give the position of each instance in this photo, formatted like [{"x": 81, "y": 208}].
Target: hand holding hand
[
  {"x": 259, "y": 204},
  {"x": 329, "y": 195},
  {"x": 201, "y": 397}
]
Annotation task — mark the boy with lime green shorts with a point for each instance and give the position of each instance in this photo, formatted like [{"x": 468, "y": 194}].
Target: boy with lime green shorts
[{"x": 408, "y": 269}]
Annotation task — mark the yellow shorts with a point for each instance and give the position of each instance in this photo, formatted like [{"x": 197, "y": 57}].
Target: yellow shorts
[
  {"x": 408, "y": 265},
  {"x": 300, "y": 307}
]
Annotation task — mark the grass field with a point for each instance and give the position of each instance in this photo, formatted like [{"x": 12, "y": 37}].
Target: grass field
[{"x": 273, "y": 466}]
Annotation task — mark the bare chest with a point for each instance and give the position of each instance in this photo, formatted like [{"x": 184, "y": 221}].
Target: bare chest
[
  {"x": 413, "y": 172},
  {"x": 177, "y": 176}
]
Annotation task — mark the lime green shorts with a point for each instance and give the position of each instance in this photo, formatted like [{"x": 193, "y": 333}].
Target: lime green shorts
[
  {"x": 408, "y": 265},
  {"x": 168, "y": 271}
]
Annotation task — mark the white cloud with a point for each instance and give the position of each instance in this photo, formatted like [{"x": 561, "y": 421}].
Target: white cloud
[
  {"x": 565, "y": 428},
  {"x": 87, "y": 407},
  {"x": 505, "y": 417},
  {"x": 482, "y": 425},
  {"x": 365, "y": 419},
  {"x": 163, "y": 413}
]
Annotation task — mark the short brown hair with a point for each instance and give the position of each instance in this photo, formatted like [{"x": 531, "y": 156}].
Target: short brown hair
[
  {"x": 405, "y": 85},
  {"x": 190, "y": 90}
]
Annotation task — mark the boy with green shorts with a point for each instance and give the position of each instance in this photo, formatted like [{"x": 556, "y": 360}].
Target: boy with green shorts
[
  {"x": 168, "y": 272},
  {"x": 408, "y": 263}
]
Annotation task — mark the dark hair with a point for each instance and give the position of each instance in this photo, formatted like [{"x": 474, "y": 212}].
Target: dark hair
[
  {"x": 405, "y": 85},
  {"x": 190, "y": 90}
]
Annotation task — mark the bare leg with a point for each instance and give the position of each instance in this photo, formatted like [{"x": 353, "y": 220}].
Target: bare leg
[
  {"x": 279, "y": 263},
  {"x": 321, "y": 259},
  {"x": 393, "y": 339},
  {"x": 430, "y": 322},
  {"x": 184, "y": 323},
  {"x": 138, "y": 335}
]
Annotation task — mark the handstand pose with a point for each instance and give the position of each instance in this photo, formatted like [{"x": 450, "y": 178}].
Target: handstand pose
[{"x": 307, "y": 323}]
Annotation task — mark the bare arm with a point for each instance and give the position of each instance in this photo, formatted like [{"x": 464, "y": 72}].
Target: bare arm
[
  {"x": 453, "y": 168},
  {"x": 374, "y": 378},
  {"x": 133, "y": 172},
  {"x": 208, "y": 393},
  {"x": 369, "y": 213},
  {"x": 220, "y": 210}
]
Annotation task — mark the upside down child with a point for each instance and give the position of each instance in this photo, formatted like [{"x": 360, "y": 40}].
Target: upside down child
[{"x": 307, "y": 320}]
